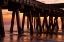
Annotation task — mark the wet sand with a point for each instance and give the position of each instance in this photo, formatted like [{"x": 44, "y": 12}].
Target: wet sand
[{"x": 26, "y": 37}]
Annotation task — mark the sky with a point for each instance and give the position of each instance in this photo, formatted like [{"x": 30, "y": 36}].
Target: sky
[{"x": 51, "y": 1}]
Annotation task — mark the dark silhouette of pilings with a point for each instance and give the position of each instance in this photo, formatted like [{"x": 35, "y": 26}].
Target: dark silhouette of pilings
[
  {"x": 12, "y": 22},
  {"x": 18, "y": 21},
  {"x": 45, "y": 22},
  {"x": 53, "y": 26},
  {"x": 50, "y": 23},
  {"x": 27, "y": 22},
  {"x": 23, "y": 21},
  {"x": 62, "y": 20},
  {"x": 31, "y": 25},
  {"x": 38, "y": 24},
  {"x": 2, "y": 32},
  {"x": 56, "y": 24}
]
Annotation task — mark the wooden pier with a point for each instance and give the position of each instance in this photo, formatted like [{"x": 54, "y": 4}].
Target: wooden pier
[{"x": 32, "y": 8}]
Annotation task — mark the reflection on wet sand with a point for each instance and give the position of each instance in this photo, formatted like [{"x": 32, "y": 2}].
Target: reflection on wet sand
[
  {"x": 34, "y": 38},
  {"x": 1, "y": 40}
]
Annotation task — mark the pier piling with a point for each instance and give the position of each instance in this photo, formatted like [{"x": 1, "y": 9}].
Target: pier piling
[
  {"x": 12, "y": 22},
  {"x": 56, "y": 23},
  {"x": 2, "y": 32},
  {"x": 27, "y": 22},
  {"x": 39, "y": 23},
  {"x": 62, "y": 20},
  {"x": 31, "y": 25},
  {"x": 23, "y": 21},
  {"x": 18, "y": 21},
  {"x": 50, "y": 23},
  {"x": 45, "y": 23}
]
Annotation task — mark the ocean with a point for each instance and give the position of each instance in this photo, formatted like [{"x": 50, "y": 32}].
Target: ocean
[{"x": 26, "y": 37}]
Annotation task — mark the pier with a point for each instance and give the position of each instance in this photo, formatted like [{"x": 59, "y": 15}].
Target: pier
[{"x": 32, "y": 8}]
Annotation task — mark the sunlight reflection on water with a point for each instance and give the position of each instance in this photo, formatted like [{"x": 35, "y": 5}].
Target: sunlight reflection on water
[{"x": 34, "y": 38}]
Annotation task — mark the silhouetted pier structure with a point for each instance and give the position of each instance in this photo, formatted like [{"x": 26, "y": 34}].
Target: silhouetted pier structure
[{"x": 31, "y": 8}]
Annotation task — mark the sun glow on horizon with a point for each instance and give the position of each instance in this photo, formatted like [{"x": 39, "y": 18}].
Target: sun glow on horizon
[{"x": 51, "y": 1}]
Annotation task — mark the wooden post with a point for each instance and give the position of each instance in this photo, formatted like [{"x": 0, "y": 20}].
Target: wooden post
[
  {"x": 23, "y": 22},
  {"x": 31, "y": 25},
  {"x": 12, "y": 22},
  {"x": 27, "y": 22},
  {"x": 50, "y": 22},
  {"x": 39, "y": 22},
  {"x": 56, "y": 23},
  {"x": 45, "y": 22},
  {"x": 2, "y": 32},
  {"x": 18, "y": 21},
  {"x": 52, "y": 29}
]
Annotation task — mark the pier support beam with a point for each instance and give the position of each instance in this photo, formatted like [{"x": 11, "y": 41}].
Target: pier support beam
[
  {"x": 2, "y": 32},
  {"x": 56, "y": 24},
  {"x": 38, "y": 24},
  {"x": 23, "y": 21},
  {"x": 18, "y": 21},
  {"x": 31, "y": 25},
  {"x": 12, "y": 22},
  {"x": 50, "y": 23},
  {"x": 53, "y": 25},
  {"x": 62, "y": 20},
  {"x": 45, "y": 22},
  {"x": 27, "y": 22}
]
